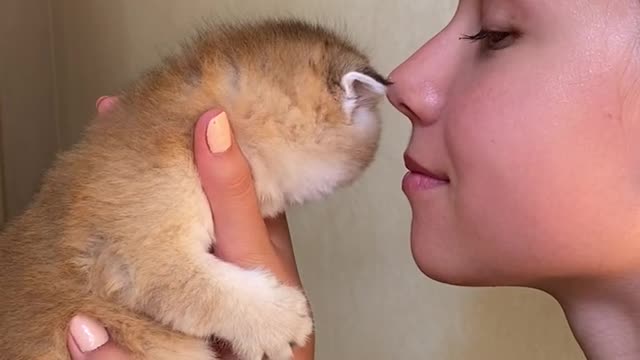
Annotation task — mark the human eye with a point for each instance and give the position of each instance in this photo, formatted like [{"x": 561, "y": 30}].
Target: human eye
[{"x": 493, "y": 40}]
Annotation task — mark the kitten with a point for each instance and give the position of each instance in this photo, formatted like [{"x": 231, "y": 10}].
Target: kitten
[{"x": 121, "y": 230}]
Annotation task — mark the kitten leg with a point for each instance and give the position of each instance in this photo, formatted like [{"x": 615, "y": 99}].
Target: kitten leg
[{"x": 200, "y": 295}]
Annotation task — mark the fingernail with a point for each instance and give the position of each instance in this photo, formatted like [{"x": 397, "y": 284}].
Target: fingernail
[
  {"x": 219, "y": 134},
  {"x": 87, "y": 333}
]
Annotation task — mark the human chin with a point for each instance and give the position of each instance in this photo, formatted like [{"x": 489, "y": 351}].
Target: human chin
[
  {"x": 434, "y": 246},
  {"x": 445, "y": 253}
]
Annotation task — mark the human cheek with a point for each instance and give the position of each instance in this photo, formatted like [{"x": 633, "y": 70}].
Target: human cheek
[
  {"x": 500, "y": 156},
  {"x": 526, "y": 187}
]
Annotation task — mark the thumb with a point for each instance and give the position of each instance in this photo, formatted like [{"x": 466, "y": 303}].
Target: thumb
[
  {"x": 223, "y": 169},
  {"x": 226, "y": 179},
  {"x": 88, "y": 340}
]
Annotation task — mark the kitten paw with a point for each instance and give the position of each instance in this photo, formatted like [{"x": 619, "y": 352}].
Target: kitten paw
[{"x": 281, "y": 318}]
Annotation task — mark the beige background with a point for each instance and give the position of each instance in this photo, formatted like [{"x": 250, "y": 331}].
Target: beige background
[{"x": 369, "y": 299}]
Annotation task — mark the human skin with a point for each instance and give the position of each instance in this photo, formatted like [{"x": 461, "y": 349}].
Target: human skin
[{"x": 533, "y": 130}]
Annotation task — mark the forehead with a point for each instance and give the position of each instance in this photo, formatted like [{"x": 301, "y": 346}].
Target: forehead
[
  {"x": 570, "y": 8},
  {"x": 571, "y": 18},
  {"x": 517, "y": 8}
]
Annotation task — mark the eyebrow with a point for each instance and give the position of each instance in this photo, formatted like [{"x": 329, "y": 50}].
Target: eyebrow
[{"x": 514, "y": 9}]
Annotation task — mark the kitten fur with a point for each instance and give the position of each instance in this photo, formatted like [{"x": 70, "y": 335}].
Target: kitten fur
[{"x": 121, "y": 230}]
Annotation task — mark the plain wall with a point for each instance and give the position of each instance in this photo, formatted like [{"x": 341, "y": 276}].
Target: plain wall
[
  {"x": 369, "y": 299},
  {"x": 27, "y": 99}
]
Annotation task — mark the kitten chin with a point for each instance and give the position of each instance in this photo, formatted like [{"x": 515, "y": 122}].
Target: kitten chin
[
  {"x": 293, "y": 176},
  {"x": 297, "y": 177}
]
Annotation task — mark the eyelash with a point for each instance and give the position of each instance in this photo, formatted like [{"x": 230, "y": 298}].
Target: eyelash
[{"x": 490, "y": 35}]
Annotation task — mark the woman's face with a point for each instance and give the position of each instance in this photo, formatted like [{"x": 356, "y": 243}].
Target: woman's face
[{"x": 536, "y": 129}]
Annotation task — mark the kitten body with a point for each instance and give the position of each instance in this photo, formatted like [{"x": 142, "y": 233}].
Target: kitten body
[{"x": 121, "y": 230}]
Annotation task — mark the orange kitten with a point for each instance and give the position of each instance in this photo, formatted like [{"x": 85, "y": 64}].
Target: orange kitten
[{"x": 121, "y": 229}]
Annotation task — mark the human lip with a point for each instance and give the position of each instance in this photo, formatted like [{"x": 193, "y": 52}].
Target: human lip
[
  {"x": 421, "y": 178},
  {"x": 413, "y": 166}
]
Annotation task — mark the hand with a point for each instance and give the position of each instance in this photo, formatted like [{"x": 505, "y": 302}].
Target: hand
[{"x": 243, "y": 237}]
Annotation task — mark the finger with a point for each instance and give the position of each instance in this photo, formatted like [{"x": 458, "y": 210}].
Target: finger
[
  {"x": 280, "y": 237},
  {"x": 108, "y": 351},
  {"x": 227, "y": 182},
  {"x": 89, "y": 340},
  {"x": 106, "y": 103},
  {"x": 241, "y": 233}
]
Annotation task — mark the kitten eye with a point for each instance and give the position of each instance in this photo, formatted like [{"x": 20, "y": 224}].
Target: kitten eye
[{"x": 494, "y": 40}]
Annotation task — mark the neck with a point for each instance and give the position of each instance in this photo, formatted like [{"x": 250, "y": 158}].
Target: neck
[{"x": 604, "y": 315}]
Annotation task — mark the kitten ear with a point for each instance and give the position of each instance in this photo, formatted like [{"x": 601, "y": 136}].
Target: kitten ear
[
  {"x": 357, "y": 84},
  {"x": 361, "y": 89}
]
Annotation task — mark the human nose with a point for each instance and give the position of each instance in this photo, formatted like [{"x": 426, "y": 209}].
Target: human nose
[{"x": 422, "y": 82}]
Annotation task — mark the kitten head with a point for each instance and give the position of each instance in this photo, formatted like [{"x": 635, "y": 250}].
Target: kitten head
[
  {"x": 301, "y": 101},
  {"x": 302, "y": 105}
]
